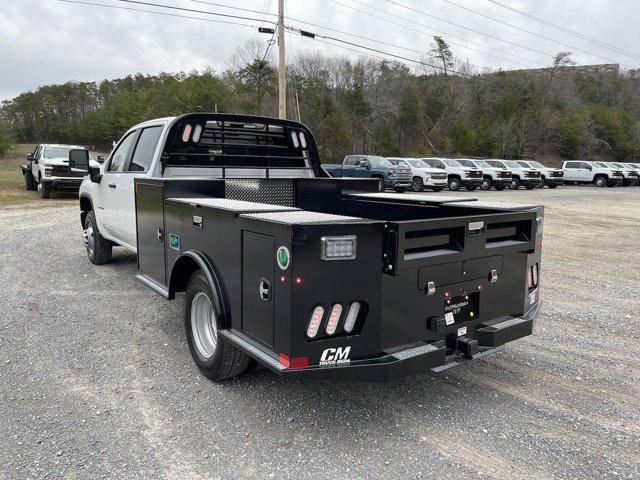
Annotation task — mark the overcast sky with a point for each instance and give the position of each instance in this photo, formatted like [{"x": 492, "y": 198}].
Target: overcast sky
[{"x": 46, "y": 41}]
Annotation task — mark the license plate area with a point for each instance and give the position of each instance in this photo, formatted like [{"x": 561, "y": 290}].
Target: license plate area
[{"x": 461, "y": 308}]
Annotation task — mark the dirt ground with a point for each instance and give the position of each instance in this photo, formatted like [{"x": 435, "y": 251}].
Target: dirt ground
[{"x": 96, "y": 380}]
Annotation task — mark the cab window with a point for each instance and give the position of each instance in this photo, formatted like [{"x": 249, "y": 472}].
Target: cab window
[
  {"x": 145, "y": 148},
  {"x": 119, "y": 155},
  {"x": 572, "y": 165}
]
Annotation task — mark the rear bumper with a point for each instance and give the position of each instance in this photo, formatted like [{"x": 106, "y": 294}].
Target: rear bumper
[
  {"x": 63, "y": 183},
  {"x": 491, "y": 337}
]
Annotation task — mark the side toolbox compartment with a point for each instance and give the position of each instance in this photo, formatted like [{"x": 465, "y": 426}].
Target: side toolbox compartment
[{"x": 149, "y": 196}]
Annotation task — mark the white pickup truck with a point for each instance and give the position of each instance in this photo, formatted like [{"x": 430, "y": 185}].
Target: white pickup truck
[
  {"x": 597, "y": 173},
  {"x": 422, "y": 175},
  {"x": 48, "y": 169},
  {"x": 457, "y": 174}
]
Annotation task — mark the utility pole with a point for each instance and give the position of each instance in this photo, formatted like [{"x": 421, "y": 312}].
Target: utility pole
[{"x": 282, "y": 79}]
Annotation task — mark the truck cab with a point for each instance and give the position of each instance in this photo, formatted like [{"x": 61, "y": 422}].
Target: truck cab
[
  {"x": 588, "y": 172},
  {"x": 423, "y": 176},
  {"x": 458, "y": 175},
  {"x": 552, "y": 177},
  {"x": 311, "y": 276}
]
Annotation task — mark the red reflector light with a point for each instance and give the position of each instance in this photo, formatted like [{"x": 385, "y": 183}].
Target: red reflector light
[
  {"x": 284, "y": 360},
  {"x": 299, "y": 362},
  {"x": 298, "y": 281},
  {"x": 283, "y": 278},
  {"x": 186, "y": 133},
  {"x": 447, "y": 294},
  {"x": 479, "y": 286}
]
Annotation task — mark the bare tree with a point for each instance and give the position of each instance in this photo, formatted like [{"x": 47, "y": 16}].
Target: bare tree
[
  {"x": 441, "y": 52},
  {"x": 561, "y": 60}
]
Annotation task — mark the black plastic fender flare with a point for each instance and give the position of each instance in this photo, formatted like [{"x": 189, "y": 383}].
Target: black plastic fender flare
[{"x": 220, "y": 301}]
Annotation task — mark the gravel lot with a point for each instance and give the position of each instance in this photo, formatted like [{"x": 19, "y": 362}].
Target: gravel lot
[{"x": 96, "y": 380}]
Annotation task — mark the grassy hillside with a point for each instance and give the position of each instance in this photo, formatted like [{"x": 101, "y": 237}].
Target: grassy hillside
[{"x": 11, "y": 180}]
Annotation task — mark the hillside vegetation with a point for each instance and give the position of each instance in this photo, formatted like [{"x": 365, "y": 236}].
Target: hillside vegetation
[{"x": 363, "y": 106}]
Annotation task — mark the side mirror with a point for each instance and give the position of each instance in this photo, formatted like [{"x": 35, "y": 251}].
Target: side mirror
[
  {"x": 31, "y": 158},
  {"x": 100, "y": 159},
  {"x": 79, "y": 159},
  {"x": 94, "y": 174},
  {"x": 589, "y": 167}
]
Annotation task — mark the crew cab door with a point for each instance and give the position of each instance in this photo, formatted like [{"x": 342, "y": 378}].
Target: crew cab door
[
  {"x": 137, "y": 165},
  {"x": 35, "y": 165},
  {"x": 104, "y": 198},
  {"x": 578, "y": 171}
]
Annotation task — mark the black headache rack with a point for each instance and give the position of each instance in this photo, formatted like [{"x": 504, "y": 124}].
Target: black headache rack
[{"x": 438, "y": 280}]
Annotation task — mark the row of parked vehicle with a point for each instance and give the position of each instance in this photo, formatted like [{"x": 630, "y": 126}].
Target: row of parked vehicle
[{"x": 436, "y": 173}]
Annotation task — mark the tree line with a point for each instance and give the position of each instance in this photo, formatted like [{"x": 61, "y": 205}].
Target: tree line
[{"x": 361, "y": 106}]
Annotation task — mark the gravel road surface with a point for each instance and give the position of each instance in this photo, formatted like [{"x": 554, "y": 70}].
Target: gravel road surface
[{"x": 96, "y": 380}]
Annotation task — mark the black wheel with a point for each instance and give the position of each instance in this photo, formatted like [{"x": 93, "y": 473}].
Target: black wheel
[
  {"x": 486, "y": 183},
  {"x": 436, "y": 189},
  {"x": 471, "y": 188},
  {"x": 217, "y": 358},
  {"x": 417, "y": 184},
  {"x": 99, "y": 249},
  {"x": 400, "y": 189},
  {"x": 600, "y": 182},
  {"x": 44, "y": 190},
  {"x": 381, "y": 187},
  {"x": 515, "y": 184},
  {"x": 500, "y": 188},
  {"x": 29, "y": 181},
  {"x": 454, "y": 184}
]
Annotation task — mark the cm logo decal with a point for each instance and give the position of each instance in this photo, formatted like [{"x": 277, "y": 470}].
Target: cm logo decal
[{"x": 335, "y": 356}]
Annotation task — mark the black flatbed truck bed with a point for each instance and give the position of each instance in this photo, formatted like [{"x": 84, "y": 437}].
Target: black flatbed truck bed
[{"x": 415, "y": 255}]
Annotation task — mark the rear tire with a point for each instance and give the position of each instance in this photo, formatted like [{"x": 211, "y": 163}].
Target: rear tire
[
  {"x": 529, "y": 187},
  {"x": 552, "y": 185},
  {"x": 417, "y": 184},
  {"x": 217, "y": 358},
  {"x": 29, "y": 181},
  {"x": 471, "y": 188},
  {"x": 454, "y": 184},
  {"x": 381, "y": 187},
  {"x": 500, "y": 188},
  {"x": 99, "y": 250}
]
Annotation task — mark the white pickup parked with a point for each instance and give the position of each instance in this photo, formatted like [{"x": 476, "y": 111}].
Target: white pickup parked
[
  {"x": 422, "y": 175},
  {"x": 457, "y": 175},
  {"x": 598, "y": 173}
]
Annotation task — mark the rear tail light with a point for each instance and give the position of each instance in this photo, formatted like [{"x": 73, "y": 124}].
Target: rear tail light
[
  {"x": 303, "y": 140},
  {"x": 196, "y": 133},
  {"x": 352, "y": 316},
  {"x": 334, "y": 318},
  {"x": 294, "y": 139},
  {"x": 315, "y": 321},
  {"x": 186, "y": 133}
]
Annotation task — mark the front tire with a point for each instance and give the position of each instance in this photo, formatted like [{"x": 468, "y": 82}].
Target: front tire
[
  {"x": 217, "y": 358},
  {"x": 99, "y": 250},
  {"x": 515, "y": 184},
  {"x": 454, "y": 184},
  {"x": 417, "y": 185},
  {"x": 486, "y": 184},
  {"x": 44, "y": 190},
  {"x": 381, "y": 187}
]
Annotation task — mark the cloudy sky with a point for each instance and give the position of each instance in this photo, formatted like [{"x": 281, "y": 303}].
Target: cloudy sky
[{"x": 47, "y": 41}]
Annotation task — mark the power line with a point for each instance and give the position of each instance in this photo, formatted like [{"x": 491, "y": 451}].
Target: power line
[
  {"x": 526, "y": 31},
  {"x": 440, "y": 31},
  {"x": 171, "y": 7},
  {"x": 564, "y": 29},
  {"x": 165, "y": 14}
]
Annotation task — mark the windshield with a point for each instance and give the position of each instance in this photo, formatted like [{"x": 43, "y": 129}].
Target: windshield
[
  {"x": 379, "y": 162},
  {"x": 619, "y": 165},
  {"x": 451, "y": 163},
  {"x": 483, "y": 164},
  {"x": 56, "y": 152},
  {"x": 513, "y": 164},
  {"x": 496, "y": 163},
  {"x": 418, "y": 163},
  {"x": 467, "y": 163},
  {"x": 537, "y": 165},
  {"x": 600, "y": 164},
  {"x": 524, "y": 164}
]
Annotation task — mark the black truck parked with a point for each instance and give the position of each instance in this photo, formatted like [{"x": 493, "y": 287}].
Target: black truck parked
[{"x": 320, "y": 277}]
